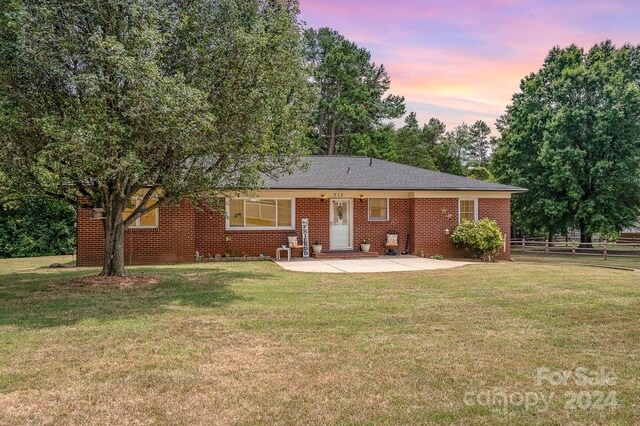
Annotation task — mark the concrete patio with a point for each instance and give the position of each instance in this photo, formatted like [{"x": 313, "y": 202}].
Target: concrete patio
[{"x": 371, "y": 265}]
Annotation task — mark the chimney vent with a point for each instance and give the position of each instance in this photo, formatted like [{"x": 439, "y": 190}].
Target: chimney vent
[{"x": 370, "y": 161}]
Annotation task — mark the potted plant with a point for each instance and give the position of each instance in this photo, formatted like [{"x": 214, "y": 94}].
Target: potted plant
[
  {"x": 317, "y": 247},
  {"x": 365, "y": 246}
]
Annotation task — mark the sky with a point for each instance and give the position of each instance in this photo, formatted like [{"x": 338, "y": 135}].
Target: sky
[{"x": 461, "y": 61}]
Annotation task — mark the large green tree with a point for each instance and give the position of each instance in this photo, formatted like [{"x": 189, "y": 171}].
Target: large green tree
[
  {"x": 351, "y": 102},
  {"x": 432, "y": 147},
  {"x": 180, "y": 100},
  {"x": 452, "y": 154},
  {"x": 481, "y": 144},
  {"x": 412, "y": 145},
  {"x": 572, "y": 136}
]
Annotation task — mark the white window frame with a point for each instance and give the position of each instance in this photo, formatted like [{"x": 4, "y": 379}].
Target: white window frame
[
  {"x": 369, "y": 210},
  {"x": 228, "y": 226},
  {"x": 475, "y": 208},
  {"x": 136, "y": 224}
]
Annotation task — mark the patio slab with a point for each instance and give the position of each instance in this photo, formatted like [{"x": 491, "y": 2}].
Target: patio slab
[{"x": 369, "y": 265}]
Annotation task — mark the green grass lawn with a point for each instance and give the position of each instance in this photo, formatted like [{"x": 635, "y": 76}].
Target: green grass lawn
[{"x": 248, "y": 343}]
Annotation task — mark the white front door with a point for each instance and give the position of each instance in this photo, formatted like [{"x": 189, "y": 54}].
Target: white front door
[{"x": 341, "y": 224}]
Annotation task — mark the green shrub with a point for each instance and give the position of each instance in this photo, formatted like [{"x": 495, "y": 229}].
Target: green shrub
[
  {"x": 483, "y": 238},
  {"x": 36, "y": 227}
]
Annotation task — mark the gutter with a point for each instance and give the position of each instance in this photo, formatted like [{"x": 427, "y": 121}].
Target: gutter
[{"x": 359, "y": 188}]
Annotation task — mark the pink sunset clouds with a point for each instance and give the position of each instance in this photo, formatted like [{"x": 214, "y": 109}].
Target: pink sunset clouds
[{"x": 461, "y": 61}]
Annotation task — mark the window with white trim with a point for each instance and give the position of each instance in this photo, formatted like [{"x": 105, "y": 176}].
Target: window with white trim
[
  {"x": 260, "y": 213},
  {"x": 147, "y": 220},
  {"x": 378, "y": 209},
  {"x": 468, "y": 210}
]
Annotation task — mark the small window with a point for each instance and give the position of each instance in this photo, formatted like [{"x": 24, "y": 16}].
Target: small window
[
  {"x": 262, "y": 213},
  {"x": 378, "y": 209},
  {"x": 468, "y": 210},
  {"x": 148, "y": 220}
]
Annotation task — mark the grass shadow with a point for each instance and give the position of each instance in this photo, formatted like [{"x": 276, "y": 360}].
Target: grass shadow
[{"x": 36, "y": 300}]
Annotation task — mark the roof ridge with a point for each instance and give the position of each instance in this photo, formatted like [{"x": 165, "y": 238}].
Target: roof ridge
[
  {"x": 326, "y": 171},
  {"x": 336, "y": 156}
]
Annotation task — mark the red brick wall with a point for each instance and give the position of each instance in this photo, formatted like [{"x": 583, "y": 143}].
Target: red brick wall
[
  {"x": 182, "y": 230},
  {"x": 171, "y": 242},
  {"x": 432, "y": 217},
  {"x": 400, "y": 215},
  {"x": 211, "y": 235},
  {"x": 500, "y": 211}
]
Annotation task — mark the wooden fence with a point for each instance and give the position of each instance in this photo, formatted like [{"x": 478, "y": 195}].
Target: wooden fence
[{"x": 622, "y": 248}]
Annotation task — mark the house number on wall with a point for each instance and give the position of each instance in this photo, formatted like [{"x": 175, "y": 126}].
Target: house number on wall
[{"x": 338, "y": 194}]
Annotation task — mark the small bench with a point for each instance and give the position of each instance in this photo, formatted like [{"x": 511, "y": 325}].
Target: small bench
[{"x": 280, "y": 249}]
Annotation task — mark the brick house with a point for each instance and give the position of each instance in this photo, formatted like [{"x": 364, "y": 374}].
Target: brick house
[{"x": 342, "y": 199}]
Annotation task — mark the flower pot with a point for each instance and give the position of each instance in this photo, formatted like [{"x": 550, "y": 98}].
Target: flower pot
[
  {"x": 317, "y": 248},
  {"x": 365, "y": 247}
]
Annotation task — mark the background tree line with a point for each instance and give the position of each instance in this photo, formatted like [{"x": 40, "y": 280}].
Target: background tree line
[{"x": 352, "y": 114}]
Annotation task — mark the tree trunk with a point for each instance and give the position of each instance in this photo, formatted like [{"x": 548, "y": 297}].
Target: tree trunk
[
  {"x": 113, "y": 265},
  {"x": 550, "y": 238},
  {"x": 332, "y": 139},
  {"x": 321, "y": 138},
  {"x": 585, "y": 238}
]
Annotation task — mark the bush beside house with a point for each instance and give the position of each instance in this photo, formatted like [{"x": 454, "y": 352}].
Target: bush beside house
[{"x": 482, "y": 238}]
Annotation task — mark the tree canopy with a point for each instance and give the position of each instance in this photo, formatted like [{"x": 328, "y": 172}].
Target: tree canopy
[
  {"x": 481, "y": 144},
  {"x": 433, "y": 147},
  {"x": 480, "y": 173},
  {"x": 351, "y": 102},
  {"x": 572, "y": 136},
  {"x": 172, "y": 100},
  {"x": 36, "y": 227}
]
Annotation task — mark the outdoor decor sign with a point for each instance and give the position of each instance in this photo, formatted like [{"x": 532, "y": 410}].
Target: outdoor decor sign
[{"x": 305, "y": 237}]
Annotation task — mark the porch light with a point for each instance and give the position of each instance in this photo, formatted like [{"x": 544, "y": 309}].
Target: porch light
[
  {"x": 446, "y": 231},
  {"x": 322, "y": 198},
  {"x": 362, "y": 197}
]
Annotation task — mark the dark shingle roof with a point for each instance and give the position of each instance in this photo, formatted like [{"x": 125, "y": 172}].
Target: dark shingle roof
[{"x": 342, "y": 172}]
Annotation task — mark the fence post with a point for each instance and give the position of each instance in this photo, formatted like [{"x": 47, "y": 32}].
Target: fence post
[
  {"x": 546, "y": 246},
  {"x": 573, "y": 248},
  {"x": 605, "y": 250}
]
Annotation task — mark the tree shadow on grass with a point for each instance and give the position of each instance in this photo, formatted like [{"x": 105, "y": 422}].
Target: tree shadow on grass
[{"x": 37, "y": 300}]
